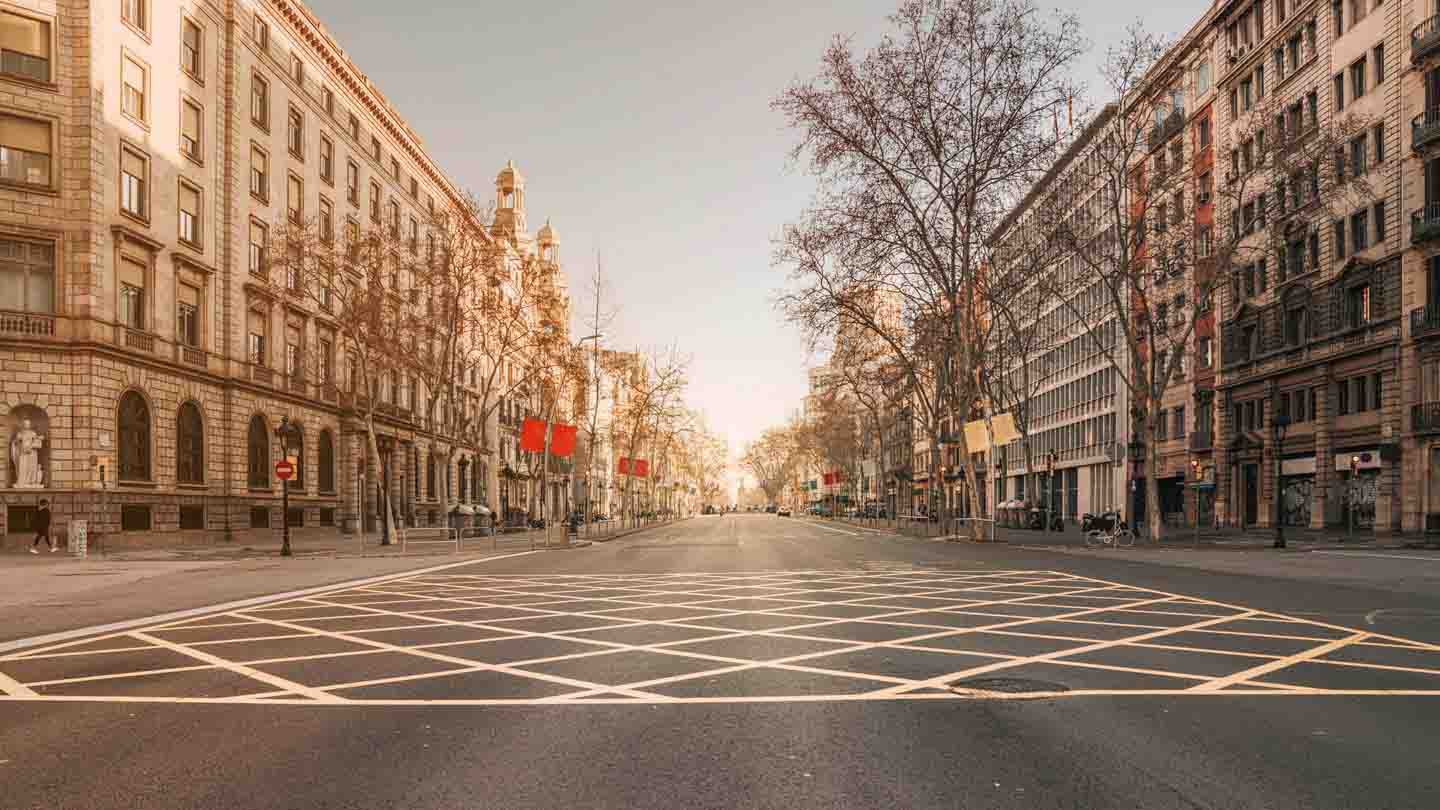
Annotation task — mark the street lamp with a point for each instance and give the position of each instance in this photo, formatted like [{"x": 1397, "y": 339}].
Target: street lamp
[
  {"x": 1282, "y": 421},
  {"x": 284, "y": 432}
]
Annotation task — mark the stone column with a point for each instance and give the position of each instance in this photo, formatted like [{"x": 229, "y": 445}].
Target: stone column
[
  {"x": 1324, "y": 418},
  {"x": 1223, "y": 428},
  {"x": 1387, "y": 493}
]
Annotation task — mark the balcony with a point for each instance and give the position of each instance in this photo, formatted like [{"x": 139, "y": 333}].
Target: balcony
[
  {"x": 1425, "y": 321},
  {"x": 1425, "y": 39},
  {"x": 295, "y": 382},
  {"x": 1425, "y": 223},
  {"x": 262, "y": 375},
  {"x": 139, "y": 341},
  {"x": 1425, "y": 129},
  {"x": 1425, "y": 417},
  {"x": 190, "y": 355},
  {"x": 27, "y": 325},
  {"x": 1165, "y": 130}
]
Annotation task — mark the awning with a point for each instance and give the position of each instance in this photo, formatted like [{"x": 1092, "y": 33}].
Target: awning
[
  {"x": 482, "y": 509},
  {"x": 465, "y": 509}
]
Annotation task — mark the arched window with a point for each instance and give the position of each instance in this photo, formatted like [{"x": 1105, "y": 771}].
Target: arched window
[
  {"x": 134, "y": 437},
  {"x": 327, "y": 462},
  {"x": 464, "y": 478},
  {"x": 189, "y": 445},
  {"x": 479, "y": 486},
  {"x": 296, "y": 447},
  {"x": 258, "y": 443},
  {"x": 430, "y": 474}
]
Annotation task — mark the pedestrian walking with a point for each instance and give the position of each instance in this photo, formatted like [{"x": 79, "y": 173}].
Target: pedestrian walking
[{"x": 42, "y": 528}]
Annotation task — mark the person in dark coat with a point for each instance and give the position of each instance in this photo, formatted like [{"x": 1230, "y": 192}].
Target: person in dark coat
[{"x": 42, "y": 528}]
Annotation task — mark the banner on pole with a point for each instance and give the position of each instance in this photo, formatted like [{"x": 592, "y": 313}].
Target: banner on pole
[
  {"x": 642, "y": 468},
  {"x": 532, "y": 436},
  {"x": 562, "y": 440},
  {"x": 622, "y": 467}
]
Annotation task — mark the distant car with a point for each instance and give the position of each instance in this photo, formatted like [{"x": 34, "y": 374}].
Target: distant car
[
  {"x": 783, "y": 511},
  {"x": 770, "y": 509}
]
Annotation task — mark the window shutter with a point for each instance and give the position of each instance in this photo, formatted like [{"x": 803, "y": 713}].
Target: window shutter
[
  {"x": 25, "y": 133},
  {"x": 190, "y": 122},
  {"x": 25, "y": 35},
  {"x": 132, "y": 273}
]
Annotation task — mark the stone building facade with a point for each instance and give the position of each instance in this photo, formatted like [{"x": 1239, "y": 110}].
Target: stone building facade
[{"x": 147, "y": 151}]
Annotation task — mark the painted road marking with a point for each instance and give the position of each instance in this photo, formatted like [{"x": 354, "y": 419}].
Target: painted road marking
[
  {"x": 1378, "y": 556},
  {"x": 878, "y": 632}
]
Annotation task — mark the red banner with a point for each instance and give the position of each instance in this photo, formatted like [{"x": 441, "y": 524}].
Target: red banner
[
  {"x": 562, "y": 440},
  {"x": 642, "y": 468},
  {"x": 829, "y": 479},
  {"x": 623, "y": 466},
  {"x": 532, "y": 436}
]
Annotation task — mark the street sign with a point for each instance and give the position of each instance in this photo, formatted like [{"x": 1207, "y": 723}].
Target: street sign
[{"x": 284, "y": 470}]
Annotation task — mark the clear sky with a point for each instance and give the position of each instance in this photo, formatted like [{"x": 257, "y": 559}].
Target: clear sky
[{"x": 645, "y": 132}]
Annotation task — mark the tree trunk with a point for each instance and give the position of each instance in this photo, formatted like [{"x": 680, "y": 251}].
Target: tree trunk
[
  {"x": 386, "y": 513},
  {"x": 1152, "y": 478}
]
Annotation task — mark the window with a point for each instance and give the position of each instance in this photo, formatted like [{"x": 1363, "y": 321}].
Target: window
[
  {"x": 189, "y": 207},
  {"x": 1337, "y": 12},
  {"x": 187, "y": 315},
  {"x": 327, "y": 160},
  {"x": 1357, "y": 306},
  {"x": 327, "y": 362},
  {"x": 295, "y": 133},
  {"x": 327, "y": 221},
  {"x": 374, "y": 201},
  {"x": 1377, "y": 58},
  {"x": 134, "y": 172},
  {"x": 354, "y": 125},
  {"x": 1247, "y": 93},
  {"x": 255, "y": 344},
  {"x": 191, "y": 49},
  {"x": 189, "y": 445},
  {"x": 259, "y": 173},
  {"x": 1280, "y": 10},
  {"x": 395, "y": 169},
  {"x": 261, "y": 32},
  {"x": 297, "y": 69},
  {"x": 260, "y": 101},
  {"x": 259, "y": 244},
  {"x": 1203, "y": 347},
  {"x": 1161, "y": 425},
  {"x": 1259, "y": 82},
  {"x": 292, "y": 353},
  {"x": 414, "y": 235},
  {"x": 190, "y": 118},
  {"x": 295, "y": 199},
  {"x": 1295, "y": 326},
  {"x": 1359, "y": 151},
  {"x": 27, "y": 276},
  {"x": 1375, "y": 391},
  {"x": 1179, "y": 431},
  {"x": 1312, "y": 109},
  {"x": 352, "y": 182},
  {"x": 133, "y": 83},
  {"x": 25, "y": 150},
  {"x": 1357, "y": 79},
  {"x": 327, "y": 100},
  {"x": 24, "y": 47},
  {"x": 1338, "y": 227},
  {"x": 133, "y": 13},
  {"x": 375, "y": 148},
  {"x": 1377, "y": 134},
  {"x": 1339, "y": 92},
  {"x": 133, "y": 433},
  {"x": 258, "y": 451},
  {"x": 1234, "y": 104},
  {"x": 414, "y": 189},
  {"x": 327, "y": 463},
  {"x": 1360, "y": 401},
  {"x": 392, "y": 218},
  {"x": 1315, "y": 249},
  {"x": 1360, "y": 230}
]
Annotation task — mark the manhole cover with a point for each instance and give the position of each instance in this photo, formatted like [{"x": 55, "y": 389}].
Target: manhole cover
[{"x": 1007, "y": 686}]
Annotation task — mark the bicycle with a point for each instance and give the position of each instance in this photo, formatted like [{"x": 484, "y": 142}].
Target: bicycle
[{"x": 1118, "y": 536}]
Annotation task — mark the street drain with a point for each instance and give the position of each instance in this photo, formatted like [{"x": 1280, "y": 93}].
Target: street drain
[{"x": 979, "y": 687}]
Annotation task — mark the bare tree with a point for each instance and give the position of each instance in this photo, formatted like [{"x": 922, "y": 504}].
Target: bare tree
[
  {"x": 772, "y": 459},
  {"x": 919, "y": 147}
]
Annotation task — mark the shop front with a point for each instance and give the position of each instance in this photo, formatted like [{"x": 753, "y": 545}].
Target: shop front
[{"x": 1297, "y": 490}]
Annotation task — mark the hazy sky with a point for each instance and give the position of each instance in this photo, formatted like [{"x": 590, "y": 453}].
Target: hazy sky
[{"x": 644, "y": 131}]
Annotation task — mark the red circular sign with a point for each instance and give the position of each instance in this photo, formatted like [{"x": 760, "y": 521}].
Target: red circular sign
[{"x": 284, "y": 470}]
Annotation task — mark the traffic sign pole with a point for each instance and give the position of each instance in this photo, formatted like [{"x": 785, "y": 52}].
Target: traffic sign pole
[{"x": 284, "y": 470}]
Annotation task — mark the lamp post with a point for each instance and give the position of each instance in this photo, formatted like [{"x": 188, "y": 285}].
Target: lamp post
[
  {"x": 1195, "y": 487},
  {"x": 1354, "y": 490},
  {"x": 1282, "y": 421},
  {"x": 283, "y": 432}
]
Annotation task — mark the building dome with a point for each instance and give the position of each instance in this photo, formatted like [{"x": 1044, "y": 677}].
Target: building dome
[
  {"x": 509, "y": 177},
  {"x": 547, "y": 233}
]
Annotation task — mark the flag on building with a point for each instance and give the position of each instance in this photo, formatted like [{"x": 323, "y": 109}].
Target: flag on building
[
  {"x": 532, "y": 436},
  {"x": 623, "y": 466},
  {"x": 642, "y": 467},
  {"x": 562, "y": 440}
]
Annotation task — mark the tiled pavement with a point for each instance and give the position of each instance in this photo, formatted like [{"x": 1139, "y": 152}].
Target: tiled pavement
[{"x": 885, "y": 633}]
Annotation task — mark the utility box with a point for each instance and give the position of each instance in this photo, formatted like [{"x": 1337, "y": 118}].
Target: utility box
[{"x": 78, "y": 537}]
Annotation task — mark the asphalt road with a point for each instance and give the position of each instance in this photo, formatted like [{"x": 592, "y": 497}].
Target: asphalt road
[{"x": 752, "y": 662}]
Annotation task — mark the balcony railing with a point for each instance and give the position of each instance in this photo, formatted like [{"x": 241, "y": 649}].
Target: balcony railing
[
  {"x": 190, "y": 355},
  {"x": 295, "y": 382},
  {"x": 1425, "y": 223},
  {"x": 1425, "y": 321},
  {"x": 22, "y": 323},
  {"x": 1425, "y": 39},
  {"x": 1425, "y": 417},
  {"x": 1163, "y": 131},
  {"x": 262, "y": 375},
  {"x": 1425, "y": 129},
  {"x": 139, "y": 341}
]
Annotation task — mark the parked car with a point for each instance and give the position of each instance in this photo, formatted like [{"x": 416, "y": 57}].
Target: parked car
[
  {"x": 783, "y": 511},
  {"x": 771, "y": 508}
]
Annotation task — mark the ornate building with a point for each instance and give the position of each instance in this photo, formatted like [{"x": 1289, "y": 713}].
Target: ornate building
[{"x": 147, "y": 152}]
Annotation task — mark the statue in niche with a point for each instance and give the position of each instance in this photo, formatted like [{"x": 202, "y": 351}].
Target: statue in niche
[{"x": 25, "y": 447}]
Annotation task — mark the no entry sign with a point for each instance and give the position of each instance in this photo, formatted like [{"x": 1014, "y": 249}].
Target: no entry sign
[{"x": 284, "y": 470}]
